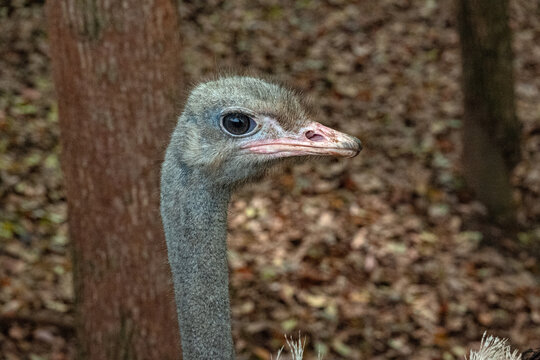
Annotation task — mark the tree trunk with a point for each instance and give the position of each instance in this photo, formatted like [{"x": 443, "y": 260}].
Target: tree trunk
[
  {"x": 117, "y": 70},
  {"x": 491, "y": 133}
]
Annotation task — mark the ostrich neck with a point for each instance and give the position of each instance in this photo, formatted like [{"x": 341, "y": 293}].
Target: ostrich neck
[{"x": 194, "y": 214}]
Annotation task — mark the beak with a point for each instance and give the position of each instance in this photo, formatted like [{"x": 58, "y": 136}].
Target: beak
[{"x": 313, "y": 139}]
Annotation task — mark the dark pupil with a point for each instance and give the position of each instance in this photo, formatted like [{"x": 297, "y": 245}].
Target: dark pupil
[{"x": 236, "y": 124}]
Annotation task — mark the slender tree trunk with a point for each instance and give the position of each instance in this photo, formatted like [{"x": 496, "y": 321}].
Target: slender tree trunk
[
  {"x": 491, "y": 130},
  {"x": 117, "y": 70}
]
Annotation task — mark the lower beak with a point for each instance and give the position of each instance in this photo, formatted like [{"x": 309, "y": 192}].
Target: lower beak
[{"x": 313, "y": 139}]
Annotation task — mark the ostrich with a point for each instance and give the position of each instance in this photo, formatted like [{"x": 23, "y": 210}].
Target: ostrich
[{"x": 232, "y": 130}]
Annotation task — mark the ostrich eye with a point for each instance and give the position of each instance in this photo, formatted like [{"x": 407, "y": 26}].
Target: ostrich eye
[{"x": 237, "y": 124}]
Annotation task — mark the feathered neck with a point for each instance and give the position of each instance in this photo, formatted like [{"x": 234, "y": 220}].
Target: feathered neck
[{"x": 194, "y": 214}]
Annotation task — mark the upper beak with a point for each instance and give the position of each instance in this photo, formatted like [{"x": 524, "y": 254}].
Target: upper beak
[{"x": 313, "y": 139}]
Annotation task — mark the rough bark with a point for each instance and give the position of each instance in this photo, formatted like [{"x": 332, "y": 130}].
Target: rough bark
[
  {"x": 491, "y": 130},
  {"x": 117, "y": 69}
]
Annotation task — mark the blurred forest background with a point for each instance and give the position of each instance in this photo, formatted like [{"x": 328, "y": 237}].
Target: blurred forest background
[{"x": 385, "y": 256}]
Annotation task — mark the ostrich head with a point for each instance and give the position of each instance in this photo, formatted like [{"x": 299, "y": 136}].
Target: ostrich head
[{"x": 233, "y": 129}]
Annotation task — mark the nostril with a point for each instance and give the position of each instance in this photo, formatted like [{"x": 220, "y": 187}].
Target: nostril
[{"x": 313, "y": 136}]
